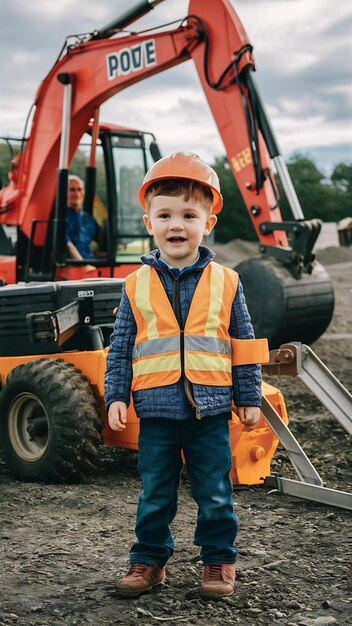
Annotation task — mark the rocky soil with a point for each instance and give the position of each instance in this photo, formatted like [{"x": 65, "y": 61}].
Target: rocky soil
[{"x": 63, "y": 547}]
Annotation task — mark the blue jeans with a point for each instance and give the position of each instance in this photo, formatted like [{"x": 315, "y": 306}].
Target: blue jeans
[{"x": 206, "y": 447}]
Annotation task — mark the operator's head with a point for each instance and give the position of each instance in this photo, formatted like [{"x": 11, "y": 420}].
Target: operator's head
[
  {"x": 13, "y": 174},
  {"x": 182, "y": 174},
  {"x": 75, "y": 192}
]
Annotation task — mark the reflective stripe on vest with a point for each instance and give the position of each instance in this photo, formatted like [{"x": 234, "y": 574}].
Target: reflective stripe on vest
[{"x": 156, "y": 358}]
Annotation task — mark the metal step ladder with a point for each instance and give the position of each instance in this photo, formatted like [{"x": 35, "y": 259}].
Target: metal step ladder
[{"x": 296, "y": 359}]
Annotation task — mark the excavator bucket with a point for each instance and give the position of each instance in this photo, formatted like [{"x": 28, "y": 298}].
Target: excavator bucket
[{"x": 253, "y": 448}]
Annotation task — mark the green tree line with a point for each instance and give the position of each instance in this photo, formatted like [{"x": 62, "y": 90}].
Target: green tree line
[{"x": 329, "y": 199}]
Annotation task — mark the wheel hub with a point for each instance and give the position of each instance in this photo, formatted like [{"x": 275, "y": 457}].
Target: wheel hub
[{"x": 28, "y": 427}]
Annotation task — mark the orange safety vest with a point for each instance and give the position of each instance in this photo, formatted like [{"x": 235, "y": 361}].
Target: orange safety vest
[{"x": 204, "y": 349}]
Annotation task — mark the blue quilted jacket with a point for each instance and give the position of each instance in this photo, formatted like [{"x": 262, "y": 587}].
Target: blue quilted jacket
[{"x": 171, "y": 401}]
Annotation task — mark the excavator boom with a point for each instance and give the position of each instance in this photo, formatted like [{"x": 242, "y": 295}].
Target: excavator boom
[{"x": 101, "y": 67}]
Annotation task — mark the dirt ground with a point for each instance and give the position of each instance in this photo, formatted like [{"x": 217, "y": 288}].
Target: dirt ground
[{"x": 63, "y": 547}]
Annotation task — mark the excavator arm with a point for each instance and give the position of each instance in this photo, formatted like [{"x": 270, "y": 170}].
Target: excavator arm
[{"x": 101, "y": 67}]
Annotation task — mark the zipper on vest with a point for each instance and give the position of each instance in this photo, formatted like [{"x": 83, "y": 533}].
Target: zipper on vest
[
  {"x": 177, "y": 309},
  {"x": 190, "y": 398}
]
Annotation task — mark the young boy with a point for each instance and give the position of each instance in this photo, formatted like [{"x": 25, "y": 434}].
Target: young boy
[{"x": 181, "y": 321}]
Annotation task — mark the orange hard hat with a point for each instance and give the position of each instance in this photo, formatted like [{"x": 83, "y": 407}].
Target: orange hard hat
[{"x": 183, "y": 165}]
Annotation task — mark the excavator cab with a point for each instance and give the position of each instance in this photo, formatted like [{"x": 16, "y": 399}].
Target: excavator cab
[{"x": 122, "y": 159}]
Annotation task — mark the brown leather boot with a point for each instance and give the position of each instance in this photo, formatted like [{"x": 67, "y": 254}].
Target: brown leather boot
[
  {"x": 218, "y": 581},
  {"x": 139, "y": 579}
]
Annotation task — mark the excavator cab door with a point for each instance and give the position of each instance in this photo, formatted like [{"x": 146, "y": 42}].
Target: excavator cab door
[{"x": 128, "y": 157}]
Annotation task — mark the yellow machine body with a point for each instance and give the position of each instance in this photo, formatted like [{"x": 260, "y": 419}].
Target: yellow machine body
[{"x": 252, "y": 448}]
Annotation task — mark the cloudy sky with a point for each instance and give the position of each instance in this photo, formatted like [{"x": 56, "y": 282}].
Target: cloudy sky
[{"x": 303, "y": 56}]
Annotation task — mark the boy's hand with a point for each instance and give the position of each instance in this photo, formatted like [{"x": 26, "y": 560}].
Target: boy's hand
[
  {"x": 248, "y": 415},
  {"x": 117, "y": 415}
]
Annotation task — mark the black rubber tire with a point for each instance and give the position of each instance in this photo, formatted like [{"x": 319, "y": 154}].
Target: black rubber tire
[
  {"x": 49, "y": 422},
  {"x": 283, "y": 308}
]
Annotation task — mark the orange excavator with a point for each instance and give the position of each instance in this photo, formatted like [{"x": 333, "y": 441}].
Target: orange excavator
[
  {"x": 289, "y": 294},
  {"x": 54, "y": 321}
]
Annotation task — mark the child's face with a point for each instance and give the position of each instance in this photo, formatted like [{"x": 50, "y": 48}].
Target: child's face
[{"x": 178, "y": 227}]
